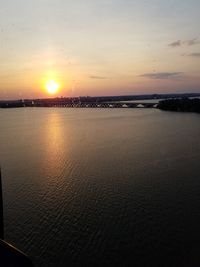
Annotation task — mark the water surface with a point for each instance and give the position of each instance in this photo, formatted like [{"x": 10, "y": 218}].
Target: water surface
[{"x": 102, "y": 187}]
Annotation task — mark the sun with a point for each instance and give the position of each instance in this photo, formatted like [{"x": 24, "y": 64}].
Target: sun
[{"x": 52, "y": 87}]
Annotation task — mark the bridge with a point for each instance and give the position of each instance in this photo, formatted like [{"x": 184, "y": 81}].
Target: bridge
[
  {"x": 66, "y": 103},
  {"x": 96, "y": 105}
]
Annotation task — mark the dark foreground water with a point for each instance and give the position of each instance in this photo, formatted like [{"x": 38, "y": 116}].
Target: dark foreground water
[{"x": 94, "y": 187}]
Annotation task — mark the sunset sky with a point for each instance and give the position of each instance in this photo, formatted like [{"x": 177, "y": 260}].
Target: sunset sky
[{"x": 99, "y": 47}]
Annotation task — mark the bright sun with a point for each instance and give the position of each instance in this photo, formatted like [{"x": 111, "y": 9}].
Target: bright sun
[{"x": 52, "y": 87}]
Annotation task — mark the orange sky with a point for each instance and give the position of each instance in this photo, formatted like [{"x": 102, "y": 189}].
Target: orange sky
[{"x": 99, "y": 47}]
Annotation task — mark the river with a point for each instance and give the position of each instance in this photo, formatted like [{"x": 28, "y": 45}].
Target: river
[{"x": 102, "y": 187}]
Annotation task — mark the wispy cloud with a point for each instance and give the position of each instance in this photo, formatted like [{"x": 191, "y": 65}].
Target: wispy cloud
[
  {"x": 194, "y": 55},
  {"x": 175, "y": 44},
  {"x": 192, "y": 42},
  {"x": 162, "y": 75},
  {"x": 189, "y": 42},
  {"x": 98, "y": 77}
]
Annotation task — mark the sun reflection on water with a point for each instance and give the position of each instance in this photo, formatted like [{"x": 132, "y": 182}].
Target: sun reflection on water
[{"x": 56, "y": 143}]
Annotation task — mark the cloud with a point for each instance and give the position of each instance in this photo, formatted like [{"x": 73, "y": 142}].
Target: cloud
[
  {"x": 192, "y": 42},
  {"x": 189, "y": 42},
  {"x": 175, "y": 44},
  {"x": 194, "y": 55},
  {"x": 98, "y": 77},
  {"x": 162, "y": 75}
]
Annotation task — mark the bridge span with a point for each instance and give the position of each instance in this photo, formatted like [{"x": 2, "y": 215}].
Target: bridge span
[
  {"x": 96, "y": 105},
  {"x": 75, "y": 104}
]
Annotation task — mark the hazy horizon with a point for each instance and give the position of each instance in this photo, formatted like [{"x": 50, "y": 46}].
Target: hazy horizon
[
  {"x": 96, "y": 96},
  {"x": 99, "y": 47}
]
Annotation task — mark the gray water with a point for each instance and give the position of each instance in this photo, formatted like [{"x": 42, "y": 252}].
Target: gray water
[{"x": 102, "y": 187}]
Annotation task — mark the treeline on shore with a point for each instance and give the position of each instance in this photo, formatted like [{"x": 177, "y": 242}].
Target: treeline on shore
[{"x": 181, "y": 104}]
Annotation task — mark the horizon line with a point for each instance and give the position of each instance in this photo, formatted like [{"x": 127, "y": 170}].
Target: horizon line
[{"x": 102, "y": 96}]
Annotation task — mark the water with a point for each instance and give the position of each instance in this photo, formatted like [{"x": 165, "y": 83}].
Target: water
[{"x": 102, "y": 187}]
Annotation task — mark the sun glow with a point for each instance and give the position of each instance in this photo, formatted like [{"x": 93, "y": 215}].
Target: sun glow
[{"x": 52, "y": 87}]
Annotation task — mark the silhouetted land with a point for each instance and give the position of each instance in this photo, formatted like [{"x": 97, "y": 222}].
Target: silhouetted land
[
  {"x": 184, "y": 104},
  {"x": 76, "y": 101}
]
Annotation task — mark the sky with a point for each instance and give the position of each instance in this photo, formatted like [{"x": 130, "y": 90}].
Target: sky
[{"x": 99, "y": 47}]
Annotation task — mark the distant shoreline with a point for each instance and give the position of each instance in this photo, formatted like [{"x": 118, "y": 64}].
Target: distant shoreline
[
  {"x": 180, "y": 105},
  {"x": 129, "y": 101}
]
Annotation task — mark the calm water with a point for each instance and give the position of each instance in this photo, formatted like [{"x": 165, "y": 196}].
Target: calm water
[{"x": 95, "y": 187}]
